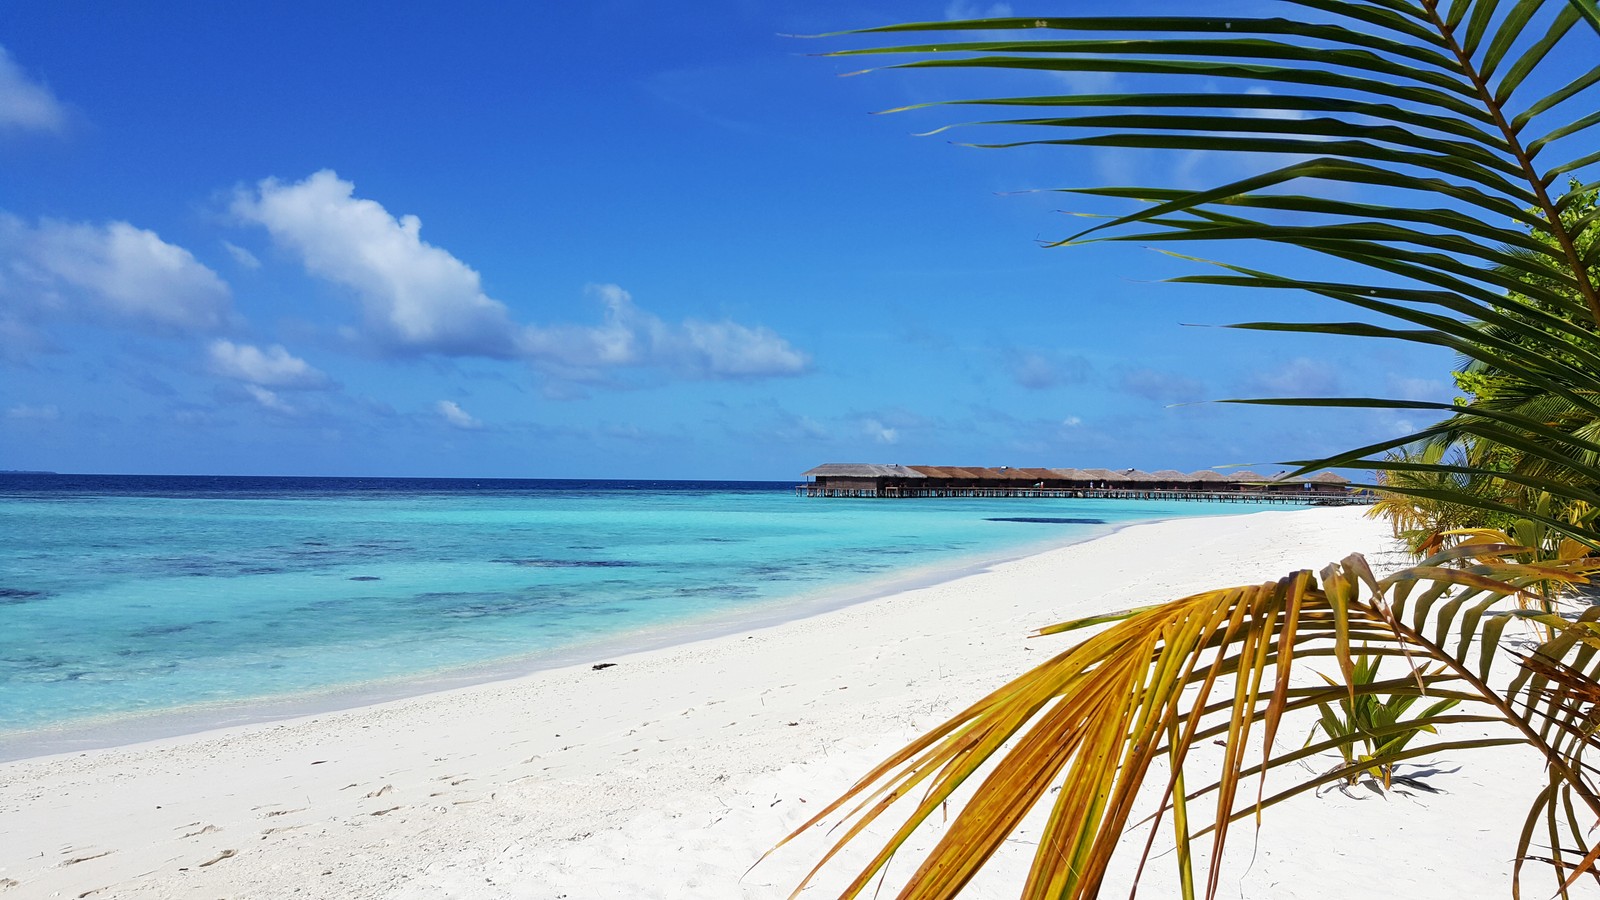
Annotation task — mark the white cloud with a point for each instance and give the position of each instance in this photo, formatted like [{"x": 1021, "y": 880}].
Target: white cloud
[
  {"x": 962, "y": 9},
  {"x": 1089, "y": 82},
  {"x": 728, "y": 348},
  {"x": 26, "y": 413},
  {"x": 880, "y": 432},
  {"x": 242, "y": 256},
  {"x": 630, "y": 336},
  {"x": 1407, "y": 388},
  {"x": 272, "y": 367},
  {"x": 25, "y": 104},
  {"x": 418, "y": 298},
  {"x": 114, "y": 268},
  {"x": 1071, "y": 422},
  {"x": 455, "y": 415},
  {"x": 1299, "y": 377},
  {"x": 1289, "y": 114},
  {"x": 269, "y": 399}
]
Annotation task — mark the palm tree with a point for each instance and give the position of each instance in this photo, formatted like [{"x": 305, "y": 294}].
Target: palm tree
[
  {"x": 1425, "y": 523},
  {"x": 1450, "y": 122}
]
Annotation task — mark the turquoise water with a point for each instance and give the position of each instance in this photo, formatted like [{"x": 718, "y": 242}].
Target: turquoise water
[{"x": 128, "y": 596}]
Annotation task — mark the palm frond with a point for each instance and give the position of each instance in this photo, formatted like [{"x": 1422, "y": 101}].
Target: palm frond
[
  {"x": 1130, "y": 709},
  {"x": 1433, "y": 108},
  {"x": 1419, "y": 147}
]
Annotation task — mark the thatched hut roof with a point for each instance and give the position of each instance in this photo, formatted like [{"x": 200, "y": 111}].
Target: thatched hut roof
[
  {"x": 1038, "y": 474},
  {"x": 1209, "y": 476},
  {"x": 1329, "y": 478},
  {"x": 1101, "y": 474},
  {"x": 943, "y": 471},
  {"x": 1247, "y": 478},
  {"x": 1170, "y": 475},
  {"x": 1070, "y": 474},
  {"x": 862, "y": 470},
  {"x": 1011, "y": 473}
]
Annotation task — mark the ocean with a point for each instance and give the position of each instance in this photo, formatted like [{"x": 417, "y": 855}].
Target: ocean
[{"x": 208, "y": 601}]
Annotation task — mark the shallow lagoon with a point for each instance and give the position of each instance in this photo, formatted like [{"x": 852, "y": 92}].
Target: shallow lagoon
[{"x": 127, "y": 595}]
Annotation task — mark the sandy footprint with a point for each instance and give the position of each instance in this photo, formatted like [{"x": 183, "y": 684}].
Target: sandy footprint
[
  {"x": 226, "y": 854},
  {"x": 82, "y": 859}
]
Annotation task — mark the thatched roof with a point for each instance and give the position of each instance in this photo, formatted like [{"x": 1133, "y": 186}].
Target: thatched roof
[
  {"x": 1009, "y": 473},
  {"x": 1038, "y": 474},
  {"x": 862, "y": 470},
  {"x": 1031, "y": 475}
]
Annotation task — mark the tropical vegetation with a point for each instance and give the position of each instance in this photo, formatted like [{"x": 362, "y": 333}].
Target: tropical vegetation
[{"x": 1425, "y": 158}]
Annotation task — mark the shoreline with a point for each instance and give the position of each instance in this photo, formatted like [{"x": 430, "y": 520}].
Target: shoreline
[
  {"x": 127, "y": 728},
  {"x": 670, "y": 774}
]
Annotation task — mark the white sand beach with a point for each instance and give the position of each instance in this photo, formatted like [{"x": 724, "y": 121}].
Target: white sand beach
[{"x": 671, "y": 772}]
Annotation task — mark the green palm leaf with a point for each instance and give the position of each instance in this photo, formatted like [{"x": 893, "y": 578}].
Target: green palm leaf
[{"x": 1447, "y": 128}]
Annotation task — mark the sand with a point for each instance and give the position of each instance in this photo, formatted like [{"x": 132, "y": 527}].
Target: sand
[{"x": 671, "y": 772}]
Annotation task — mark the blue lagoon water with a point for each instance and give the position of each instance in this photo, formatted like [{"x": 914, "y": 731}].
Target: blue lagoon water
[{"x": 123, "y": 596}]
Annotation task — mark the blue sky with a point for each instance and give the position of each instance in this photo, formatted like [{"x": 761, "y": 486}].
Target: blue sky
[{"x": 615, "y": 239}]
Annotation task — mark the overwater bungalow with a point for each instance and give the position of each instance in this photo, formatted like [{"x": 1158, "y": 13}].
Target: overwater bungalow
[{"x": 878, "y": 480}]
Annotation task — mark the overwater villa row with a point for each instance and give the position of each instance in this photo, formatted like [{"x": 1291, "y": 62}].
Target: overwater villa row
[{"x": 870, "y": 480}]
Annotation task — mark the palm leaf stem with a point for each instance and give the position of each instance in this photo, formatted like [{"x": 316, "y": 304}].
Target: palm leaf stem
[{"x": 1552, "y": 216}]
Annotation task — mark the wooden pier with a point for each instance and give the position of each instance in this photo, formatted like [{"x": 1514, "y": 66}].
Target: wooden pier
[
  {"x": 874, "y": 481},
  {"x": 1306, "y": 498}
]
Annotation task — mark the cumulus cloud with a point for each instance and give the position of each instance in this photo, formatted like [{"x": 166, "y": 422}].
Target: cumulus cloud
[
  {"x": 131, "y": 273},
  {"x": 272, "y": 367},
  {"x": 963, "y": 9},
  {"x": 630, "y": 336},
  {"x": 241, "y": 256},
  {"x": 418, "y": 298},
  {"x": 456, "y": 416},
  {"x": 269, "y": 399},
  {"x": 26, "y": 104},
  {"x": 880, "y": 432}
]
